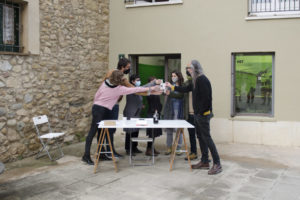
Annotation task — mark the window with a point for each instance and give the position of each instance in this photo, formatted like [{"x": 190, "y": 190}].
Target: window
[
  {"x": 252, "y": 84},
  {"x": 274, "y": 7},
  {"x": 10, "y": 26},
  {"x": 136, "y": 3}
]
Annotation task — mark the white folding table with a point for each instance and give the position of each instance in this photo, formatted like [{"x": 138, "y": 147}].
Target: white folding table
[{"x": 178, "y": 124}]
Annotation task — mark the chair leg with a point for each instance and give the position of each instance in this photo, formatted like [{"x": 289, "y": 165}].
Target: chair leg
[
  {"x": 130, "y": 149},
  {"x": 44, "y": 148},
  {"x": 59, "y": 148}
]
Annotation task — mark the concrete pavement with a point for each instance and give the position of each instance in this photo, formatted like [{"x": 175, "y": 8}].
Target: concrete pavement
[{"x": 249, "y": 172}]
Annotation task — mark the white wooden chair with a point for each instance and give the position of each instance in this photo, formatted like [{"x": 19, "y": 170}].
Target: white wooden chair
[{"x": 46, "y": 137}]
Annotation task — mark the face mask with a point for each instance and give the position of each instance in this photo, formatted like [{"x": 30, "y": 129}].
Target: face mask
[
  {"x": 188, "y": 73},
  {"x": 174, "y": 79},
  {"x": 127, "y": 71},
  {"x": 137, "y": 83}
]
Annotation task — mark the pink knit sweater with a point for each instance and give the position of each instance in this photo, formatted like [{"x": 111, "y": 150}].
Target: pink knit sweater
[{"x": 108, "y": 97}]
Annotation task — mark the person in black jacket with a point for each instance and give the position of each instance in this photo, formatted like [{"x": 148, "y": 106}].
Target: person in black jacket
[
  {"x": 154, "y": 104},
  {"x": 202, "y": 104}
]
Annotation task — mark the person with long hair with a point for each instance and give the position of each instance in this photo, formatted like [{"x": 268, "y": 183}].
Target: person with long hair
[
  {"x": 173, "y": 109},
  {"x": 202, "y": 104},
  {"x": 106, "y": 97}
]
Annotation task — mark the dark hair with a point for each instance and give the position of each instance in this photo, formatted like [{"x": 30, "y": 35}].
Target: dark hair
[
  {"x": 180, "y": 77},
  {"x": 133, "y": 77},
  {"x": 151, "y": 78},
  {"x": 116, "y": 77},
  {"x": 123, "y": 62}
]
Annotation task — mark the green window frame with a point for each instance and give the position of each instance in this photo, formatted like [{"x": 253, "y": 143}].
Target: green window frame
[
  {"x": 15, "y": 46},
  {"x": 252, "y": 84}
]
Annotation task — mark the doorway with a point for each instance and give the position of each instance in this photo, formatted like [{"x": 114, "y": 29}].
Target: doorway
[{"x": 159, "y": 65}]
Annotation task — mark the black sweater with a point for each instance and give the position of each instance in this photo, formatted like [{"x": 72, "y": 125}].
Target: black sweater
[{"x": 202, "y": 94}]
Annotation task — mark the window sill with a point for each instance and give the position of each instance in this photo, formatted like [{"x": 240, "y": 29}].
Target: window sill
[
  {"x": 253, "y": 118},
  {"x": 154, "y": 4},
  {"x": 15, "y": 53},
  {"x": 273, "y": 15}
]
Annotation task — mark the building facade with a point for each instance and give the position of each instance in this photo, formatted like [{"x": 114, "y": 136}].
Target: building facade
[
  {"x": 52, "y": 56},
  {"x": 249, "y": 50}
]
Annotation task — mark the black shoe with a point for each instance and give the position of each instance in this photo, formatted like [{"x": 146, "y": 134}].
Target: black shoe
[
  {"x": 136, "y": 150},
  {"x": 105, "y": 157},
  {"x": 118, "y": 155},
  {"x": 88, "y": 160},
  {"x": 128, "y": 153}
]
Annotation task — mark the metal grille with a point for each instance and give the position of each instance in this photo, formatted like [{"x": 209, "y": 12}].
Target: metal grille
[
  {"x": 151, "y": 1},
  {"x": 260, "y": 6},
  {"x": 10, "y": 26}
]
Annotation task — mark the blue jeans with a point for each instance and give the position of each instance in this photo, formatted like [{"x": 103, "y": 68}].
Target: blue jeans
[{"x": 176, "y": 104}]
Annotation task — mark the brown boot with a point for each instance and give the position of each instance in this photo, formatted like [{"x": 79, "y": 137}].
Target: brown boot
[
  {"x": 201, "y": 165},
  {"x": 156, "y": 152},
  {"x": 149, "y": 152},
  {"x": 216, "y": 168}
]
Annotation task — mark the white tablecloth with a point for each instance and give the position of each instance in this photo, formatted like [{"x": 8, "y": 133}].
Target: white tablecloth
[{"x": 133, "y": 124}]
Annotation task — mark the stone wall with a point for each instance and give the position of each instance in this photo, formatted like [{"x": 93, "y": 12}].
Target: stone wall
[{"x": 60, "y": 82}]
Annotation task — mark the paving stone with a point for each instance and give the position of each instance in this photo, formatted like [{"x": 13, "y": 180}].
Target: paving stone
[
  {"x": 252, "y": 191},
  {"x": 284, "y": 191},
  {"x": 267, "y": 174}
]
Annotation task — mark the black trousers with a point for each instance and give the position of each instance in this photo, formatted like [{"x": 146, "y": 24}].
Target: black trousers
[
  {"x": 192, "y": 134},
  {"x": 206, "y": 142},
  {"x": 99, "y": 113},
  {"x": 127, "y": 140}
]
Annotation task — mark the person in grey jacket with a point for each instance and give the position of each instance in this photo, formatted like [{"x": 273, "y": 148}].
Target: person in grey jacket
[{"x": 133, "y": 108}]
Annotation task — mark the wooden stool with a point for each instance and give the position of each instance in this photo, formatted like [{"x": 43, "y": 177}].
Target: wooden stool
[{"x": 174, "y": 147}]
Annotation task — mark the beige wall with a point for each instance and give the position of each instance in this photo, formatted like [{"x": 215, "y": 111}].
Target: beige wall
[
  {"x": 210, "y": 31},
  {"x": 32, "y": 26}
]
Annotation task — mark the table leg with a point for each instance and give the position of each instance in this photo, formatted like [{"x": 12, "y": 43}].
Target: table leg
[
  {"x": 153, "y": 146},
  {"x": 186, "y": 149},
  {"x": 174, "y": 147},
  {"x": 111, "y": 150},
  {"x": 99, "y": 148}
]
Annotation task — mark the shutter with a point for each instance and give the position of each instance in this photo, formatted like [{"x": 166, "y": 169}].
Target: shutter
[
  {"x": 16, "y": 47},
  {"x": 1, "y": 28}
]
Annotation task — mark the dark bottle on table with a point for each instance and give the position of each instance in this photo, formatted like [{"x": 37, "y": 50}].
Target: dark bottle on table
[{"x": 155, "y": 117}]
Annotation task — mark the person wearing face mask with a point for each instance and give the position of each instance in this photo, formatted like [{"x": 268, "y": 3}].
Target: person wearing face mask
[
  {"x": 133, "y": 108},
  {"x": 105, "y": 98},
  {"x": 189, "y": 116},
  {"x": 202, "y": 104},
  {"x": 173, "y": 109},
  {"x": 124, "y": 66}
]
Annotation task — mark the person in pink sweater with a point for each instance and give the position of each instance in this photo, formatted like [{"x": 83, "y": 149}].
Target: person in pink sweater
[{"x": 105, "y": 98}]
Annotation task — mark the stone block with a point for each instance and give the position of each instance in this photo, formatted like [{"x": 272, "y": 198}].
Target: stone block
[
  {"x": 2, "y": 124},
  {"x": 28, "y": 98},
  {"x": 17, "y": 68},
  {"x": 11, "y": 122},
  {"x": 12, "y": 135},
  {"x": 2, "y": 111},
  {"x": 16, "y": 106},
  {"x": 22, "y": 112},
  {"x": 5, "y": 66},
  {"x": 2, "y": 84},
  {"x": 13, "y": 82}
]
